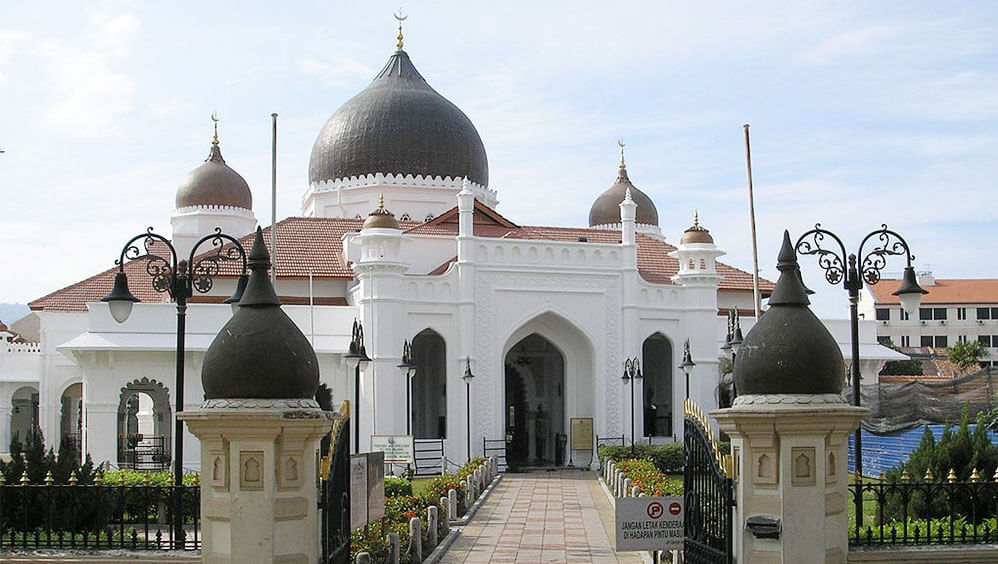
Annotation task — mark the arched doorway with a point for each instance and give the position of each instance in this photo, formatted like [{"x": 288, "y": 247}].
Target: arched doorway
[
  {"x": 71, "y": 417},
  {"x": 24, "y": 413},
  {"x": 429, "y": 386},
  {"x": 535, "y": 402},
  {"x": 657, "y": 388},
  {"x": 144, "y": 423}
]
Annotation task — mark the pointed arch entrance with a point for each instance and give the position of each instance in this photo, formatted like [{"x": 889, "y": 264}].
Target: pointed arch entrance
[
  {"x": 144, "y": 422},
  {"x": 548, "y": 368},
  {"x": 657, "y": 387},
  {"x": 429, "y": 386}
]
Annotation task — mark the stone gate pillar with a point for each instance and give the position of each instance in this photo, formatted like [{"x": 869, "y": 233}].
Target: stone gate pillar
[
  {"x": 789, "y": 431},
  {"x": 259, "y": 428}
]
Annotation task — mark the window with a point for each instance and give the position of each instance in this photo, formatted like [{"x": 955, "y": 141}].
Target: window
[
  {"x": 925, "y": 313},
  {"x": 883, "y": 314},
  {"x": 905, "y": 341},
  {"x": 941, "y": 342},
  {"x": 984, "y": 340},
  {"x": 961, "y": 339},
  {"x": 926, "y": 341},
  {"x": 938, "y": 313},
  {"x": 994, "y": 313},
  {"x": 961, "y": 313},
  {"x": 983, "y": 313},
  {"x": 904, "y": 315}
]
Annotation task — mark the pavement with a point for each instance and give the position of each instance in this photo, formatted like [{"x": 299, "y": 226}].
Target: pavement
[{"x": 559, "y": 516}]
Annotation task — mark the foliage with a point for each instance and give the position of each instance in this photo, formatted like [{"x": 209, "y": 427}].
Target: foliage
[
  {"x": 910, "y": 367},
  {"x": 30, "y": 456},
  {"x": 646, "y": 476},
  {"x": 962, "y": 451},
  {"x": 967, "y": 354},
  {"x": 668, "y": 459},
  {"x": 397, "y": 486}
]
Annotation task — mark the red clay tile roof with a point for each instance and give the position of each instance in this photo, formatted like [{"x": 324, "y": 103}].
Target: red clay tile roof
[
  {"x": 970, "y": 291},
  {"x": 315, "y": 244}
]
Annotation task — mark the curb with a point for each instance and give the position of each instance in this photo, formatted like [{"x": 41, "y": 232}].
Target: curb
[
  {"x": 478, "y": 503},
  {"x": 442, "y": 548}
]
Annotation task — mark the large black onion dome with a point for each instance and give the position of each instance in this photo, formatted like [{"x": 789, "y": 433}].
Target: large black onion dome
[
  {"x": 789, "y": 351},
  {"x": 399, "y": 125},
  {"x": 260, "y": 353},
  {"x": 214, "y": 184},
  {"x": 606, "y": 208}
]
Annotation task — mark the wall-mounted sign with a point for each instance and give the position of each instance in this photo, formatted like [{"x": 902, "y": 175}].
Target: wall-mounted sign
[
  {"x": 649, "y": 523},
  {"x": 398, "y": 449},
  {"x": 582, "y": 433}
]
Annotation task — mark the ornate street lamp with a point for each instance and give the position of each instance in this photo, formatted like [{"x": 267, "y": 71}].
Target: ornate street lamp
[
  {"x": 468, "y": 376},
  {"x": 732, "y": 342},
  {"x": 408, "y": 370},
  {"x": 687, "y": 365},
  {"x": 179, "y": 278},
  {"x": 357, "y": 360},
  {"x": 632, "y": 373},
  {"x": 866, "y": 268}
]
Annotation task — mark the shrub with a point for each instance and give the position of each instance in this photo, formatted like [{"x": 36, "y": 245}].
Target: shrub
[
  {"x": 646, "y": 476},
  {"x": 397, "y": 486},
  {"x": 668, "y": 459}
]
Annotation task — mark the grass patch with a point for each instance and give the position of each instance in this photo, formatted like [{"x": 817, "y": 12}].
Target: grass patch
[{"x": 419, "y": 485}]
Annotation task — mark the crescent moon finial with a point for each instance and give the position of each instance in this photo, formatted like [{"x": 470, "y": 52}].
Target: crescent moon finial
[
  {"x": 401, "y": 17},
  {"x": 621, "y": 143},
  {"x": 214, "y": 118}
]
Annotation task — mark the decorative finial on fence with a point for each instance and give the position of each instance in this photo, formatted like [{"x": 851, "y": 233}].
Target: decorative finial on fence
[
  {"x": 121, "y": 479},
  {"x": 49, "y": 480},
  {"x": 975, "y": 477},
  {"x": 905, "y": 478},
  {"x": 951, "y": 477},
  {"x": 145, "y": 479},
  {"x": 928, "y": 475},
  {"x": 197, "y": 480},
  {"x": 169, "y": 480},
  {"x": 994, "y": 478},
  {"x": 2, "y": 479},
  {"x": 24, "y": 478},
  {"x": 73, "y": 480}
]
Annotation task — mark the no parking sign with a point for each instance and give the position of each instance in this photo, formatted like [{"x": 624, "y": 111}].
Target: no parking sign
[{"x": 649, "y": 523}]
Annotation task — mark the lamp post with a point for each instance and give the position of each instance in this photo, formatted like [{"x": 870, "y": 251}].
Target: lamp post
[
  {"x": 467, "y": 387},
  {"x": 632, "y": 372},
  {"x": 357, "y": 360},
  {"x": 862, "y": 268},
  {"x": 687, "y": 365},
  {"x": 179, "y": 278},
  {"x": 408, "y": 370},
  {"x": 732, "y": 343}
]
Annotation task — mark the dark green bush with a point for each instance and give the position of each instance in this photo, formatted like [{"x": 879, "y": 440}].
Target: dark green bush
[
  {"x": 395, "y": 487},
  {"x": 668, "y": 459}
]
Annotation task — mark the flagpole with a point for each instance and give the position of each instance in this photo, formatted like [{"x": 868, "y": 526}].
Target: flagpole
[
  {"x": 273, "y": 204},
  {"x": 757, "y": 302}
]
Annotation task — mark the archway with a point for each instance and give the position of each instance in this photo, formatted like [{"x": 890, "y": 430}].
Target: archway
[
  {"x": 71, "y": 417},
  {"x": 657, "y": 388},
  {"x": 144, "y": 425},
  {"x": 535, "y": 402},
  {"x": 24, "y": 415},
  {"x": 429, "y": 386}
]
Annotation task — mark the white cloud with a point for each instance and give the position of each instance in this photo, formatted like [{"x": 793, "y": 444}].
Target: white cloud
[{"x": 848, "y": 44}]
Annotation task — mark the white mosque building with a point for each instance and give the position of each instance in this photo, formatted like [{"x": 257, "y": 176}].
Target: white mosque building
[{"x": 400, "y": 230}]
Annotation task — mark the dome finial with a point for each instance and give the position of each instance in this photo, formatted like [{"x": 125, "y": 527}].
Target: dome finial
[
  {"x": 621, "y": 143},
  {"x": 401, "y": 17},
  {"x": 381, "y": 202},
  {"x": 696, "y": 218},
  {"x": 214, "y": 118}
]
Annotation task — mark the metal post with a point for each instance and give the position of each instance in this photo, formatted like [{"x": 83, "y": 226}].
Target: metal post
[
  {"x": 632, "y": 415},
  {"x": 408, "y": 400},
  {"x": 178, "y": 458},
  {"x": 467, "y": 387},
  {"x": 854, "y": 284},
  {"x": 356, "y": 409}
]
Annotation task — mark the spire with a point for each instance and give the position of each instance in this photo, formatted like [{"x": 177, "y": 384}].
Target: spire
[
  {"x": 696, "y": 219},
  {"x": 214, "y": 118},
  {"x": 621, "y": 143},
  {"x": 401, "y": 17},
  {"x": 789, "y": 290}
]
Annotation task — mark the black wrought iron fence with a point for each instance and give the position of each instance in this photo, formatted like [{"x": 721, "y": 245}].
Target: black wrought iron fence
[
  {"x": 927, "y": 511},
  {"x": 100, "y": 516}
]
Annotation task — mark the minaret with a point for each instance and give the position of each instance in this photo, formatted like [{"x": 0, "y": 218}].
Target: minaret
[
  {"x": 211, "y": 196},
  {"x": 697, "y": 257}
]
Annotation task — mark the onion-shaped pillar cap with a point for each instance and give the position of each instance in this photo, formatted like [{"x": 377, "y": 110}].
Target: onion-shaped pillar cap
[
  {"x": 789, "y": 351},
  {"x": 260, "y": 353}
]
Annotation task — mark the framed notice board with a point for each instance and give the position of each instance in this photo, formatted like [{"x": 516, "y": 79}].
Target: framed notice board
[{"x": 582, "y": 433}]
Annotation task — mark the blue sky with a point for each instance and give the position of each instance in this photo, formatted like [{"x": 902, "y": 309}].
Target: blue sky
[{"x": 861, "y": 113}]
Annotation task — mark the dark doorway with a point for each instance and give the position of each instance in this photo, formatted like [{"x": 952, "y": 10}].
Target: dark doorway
[{"x": 535, "y": 403}]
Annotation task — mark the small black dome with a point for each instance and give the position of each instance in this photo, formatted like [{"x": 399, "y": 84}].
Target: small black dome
[
  {"x": 260, "y": 353},
  {"x": 214, "y": 184},
  {"x": 399, "y": 125},
  {"x": 789, "y": 351},
  {"x": 606, "y": 208}
]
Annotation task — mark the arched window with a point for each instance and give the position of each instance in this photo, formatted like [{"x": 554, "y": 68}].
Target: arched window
[
  {"x": 429, "y": 386},
  {"x": 657, "y": 363}
]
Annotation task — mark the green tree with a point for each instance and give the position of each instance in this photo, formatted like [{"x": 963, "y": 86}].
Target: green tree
[{"x": 967, "y": 354}]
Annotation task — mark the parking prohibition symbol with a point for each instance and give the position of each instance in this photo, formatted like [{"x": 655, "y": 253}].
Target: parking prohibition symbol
[{"x": 655, "y": 510}]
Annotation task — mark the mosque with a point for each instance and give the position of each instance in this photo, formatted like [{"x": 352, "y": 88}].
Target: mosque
[{"x": 514, "y": 330}]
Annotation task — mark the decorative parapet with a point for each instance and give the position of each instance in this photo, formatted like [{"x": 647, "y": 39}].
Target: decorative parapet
[
  {"x": 788, "y": 399},
  {"x": 379, "y": 178},
  {"x": 214, "y": 210},
  {"x": 21, "y": 348},
  {"x": 549, "y": 254}
]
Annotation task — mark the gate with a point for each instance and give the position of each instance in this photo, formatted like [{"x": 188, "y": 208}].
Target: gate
[
  {"x": 709, "y": 493},
  {"x": 334, "y": 497},
  {"x": 428, "y": 455}
]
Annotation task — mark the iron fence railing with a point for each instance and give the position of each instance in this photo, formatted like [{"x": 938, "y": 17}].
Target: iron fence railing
[
  {"x": 926, "y": 512},
  {"x": 101, "y": 516}
]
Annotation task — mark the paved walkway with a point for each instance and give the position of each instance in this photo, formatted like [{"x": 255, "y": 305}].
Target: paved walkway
[{"x": 560, "y": 516}]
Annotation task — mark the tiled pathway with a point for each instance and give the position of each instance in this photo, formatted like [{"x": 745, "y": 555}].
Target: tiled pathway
[{"x": 560, "y": 516}]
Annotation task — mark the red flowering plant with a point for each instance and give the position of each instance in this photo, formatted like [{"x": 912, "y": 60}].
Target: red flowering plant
[{"x": 648, "y": 479}]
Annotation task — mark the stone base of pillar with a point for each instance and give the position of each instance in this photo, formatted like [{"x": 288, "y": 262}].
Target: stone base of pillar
[
  {"x": 790, "y": 460},
  {"x": 259, "y": 470}
]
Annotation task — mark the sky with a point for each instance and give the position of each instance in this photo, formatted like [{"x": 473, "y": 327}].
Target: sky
[{"x": 861, "y": 113}]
